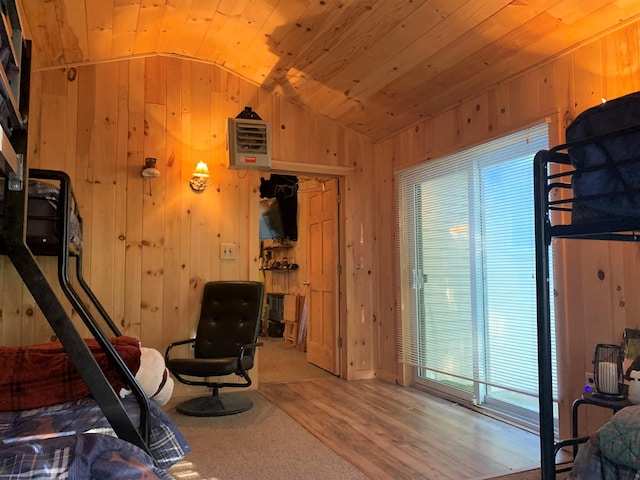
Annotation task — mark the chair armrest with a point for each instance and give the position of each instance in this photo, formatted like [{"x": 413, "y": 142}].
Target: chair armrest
[
  {"x": 175, "y": 344},
  {"x": 249, "y": 345},
  {"x": 243, "y": 349}
]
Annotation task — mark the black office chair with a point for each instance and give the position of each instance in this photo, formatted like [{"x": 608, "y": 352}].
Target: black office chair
[{"x": 225, "y": 343}]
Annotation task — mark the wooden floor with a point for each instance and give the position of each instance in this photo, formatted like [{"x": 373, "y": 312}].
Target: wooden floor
[{"x": 400, "y": 433}]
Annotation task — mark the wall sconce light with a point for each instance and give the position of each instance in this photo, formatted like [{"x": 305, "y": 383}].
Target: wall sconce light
[
  {"x": 200, "y": 178},
  {"x": 149, "y": 171}
]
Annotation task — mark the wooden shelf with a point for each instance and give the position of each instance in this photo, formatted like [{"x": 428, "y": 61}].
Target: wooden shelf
[{"x": 275, "y": 245}]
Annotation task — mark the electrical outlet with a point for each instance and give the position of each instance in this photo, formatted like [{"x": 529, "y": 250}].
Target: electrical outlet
[
  {"x": 227, "y": 251},
  {"x": 589, "y": 379}
]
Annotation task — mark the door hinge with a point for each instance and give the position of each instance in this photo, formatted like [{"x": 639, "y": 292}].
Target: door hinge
[{"x": 339, "y": 342}]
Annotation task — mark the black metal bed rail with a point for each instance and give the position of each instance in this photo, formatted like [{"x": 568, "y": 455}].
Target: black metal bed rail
[
  {"x": 543, "y": 306},
  {"x": 67, "y": 204},
  {"x": 620, "y": 229},
  {"x": 67, "y": 254}
]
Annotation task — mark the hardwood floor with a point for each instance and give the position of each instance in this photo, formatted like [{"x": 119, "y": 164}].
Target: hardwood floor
[{"x": 390, "y": 432}]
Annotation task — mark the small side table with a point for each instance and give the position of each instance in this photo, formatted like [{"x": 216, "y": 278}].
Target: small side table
[{"x": 588, "y": 398}]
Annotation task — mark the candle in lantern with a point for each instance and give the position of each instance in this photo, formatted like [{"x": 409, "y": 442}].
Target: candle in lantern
[{"x": 608, "y": 377}]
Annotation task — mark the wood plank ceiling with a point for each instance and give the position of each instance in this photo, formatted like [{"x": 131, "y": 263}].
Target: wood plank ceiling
[{"x": 375, "y": 66}]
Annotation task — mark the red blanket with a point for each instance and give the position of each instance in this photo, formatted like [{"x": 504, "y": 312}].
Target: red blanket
[{"x": 40, "y": 375}]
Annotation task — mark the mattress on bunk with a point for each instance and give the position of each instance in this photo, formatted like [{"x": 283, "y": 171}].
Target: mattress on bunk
[
  {"x": 607, "y": 172},
  {"x": 42, "y": 216},
  {"x": 86, "y": 456},
  {"x": 166, "y": 443}
]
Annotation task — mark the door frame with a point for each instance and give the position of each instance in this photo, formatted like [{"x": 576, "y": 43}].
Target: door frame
[{"x": 340, "y": 173}]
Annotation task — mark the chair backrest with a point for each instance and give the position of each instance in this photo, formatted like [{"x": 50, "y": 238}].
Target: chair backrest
[{"x": 230, "y": 318}]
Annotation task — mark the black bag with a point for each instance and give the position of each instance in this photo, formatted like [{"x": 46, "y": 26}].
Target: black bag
[{"x": 608, "y": 168}]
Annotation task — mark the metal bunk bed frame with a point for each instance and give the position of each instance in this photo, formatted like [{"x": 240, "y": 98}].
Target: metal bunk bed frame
[
  {"x": 13, "y": 167},
  {"x": 627, "y": 229}
]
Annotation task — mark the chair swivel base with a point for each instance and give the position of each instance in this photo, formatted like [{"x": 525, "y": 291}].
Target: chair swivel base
[{"x": 215, "y": 406}]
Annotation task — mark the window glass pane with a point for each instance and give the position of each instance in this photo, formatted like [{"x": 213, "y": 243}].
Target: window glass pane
[
  {"x": 444, "y": 262},
  {"x": 509, "y": 279}
]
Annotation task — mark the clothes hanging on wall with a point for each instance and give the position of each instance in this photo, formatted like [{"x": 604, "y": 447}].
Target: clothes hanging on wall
[{"x": 284, "y": 188}]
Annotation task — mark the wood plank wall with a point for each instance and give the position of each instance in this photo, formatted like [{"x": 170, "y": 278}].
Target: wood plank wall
[
  {"x": 590, "y": 310},
  {"x": 150, "y": 245}
]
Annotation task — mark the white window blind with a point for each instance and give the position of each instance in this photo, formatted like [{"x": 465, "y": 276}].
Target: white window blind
[{"x": 467, "y": 264}]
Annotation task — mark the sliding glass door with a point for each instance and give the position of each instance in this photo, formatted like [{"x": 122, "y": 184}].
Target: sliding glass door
[
  {"x": 443, "y": 283},
  {"x": 468, "y": 274}
]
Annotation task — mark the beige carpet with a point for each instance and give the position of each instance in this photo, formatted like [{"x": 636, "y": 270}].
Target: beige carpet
[{"x": 262, "y": 443}]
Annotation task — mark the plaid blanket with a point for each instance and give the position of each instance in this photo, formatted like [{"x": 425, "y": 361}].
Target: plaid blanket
[
  {"x": 81, "y": 456},
  {"x": 166, "y": 442},
  {"x": 40, "y": 375}
]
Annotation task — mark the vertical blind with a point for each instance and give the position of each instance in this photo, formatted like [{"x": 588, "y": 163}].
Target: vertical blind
[{"x": 466, "y": 280}]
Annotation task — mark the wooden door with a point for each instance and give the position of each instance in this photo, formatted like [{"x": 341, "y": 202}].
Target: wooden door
[{"x": 323, "y": 310}]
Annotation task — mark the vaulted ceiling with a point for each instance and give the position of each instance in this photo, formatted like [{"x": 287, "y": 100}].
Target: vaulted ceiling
[{"x": 375, "y": 66}]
